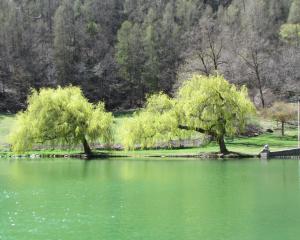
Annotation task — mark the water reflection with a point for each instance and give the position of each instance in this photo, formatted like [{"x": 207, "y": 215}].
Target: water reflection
[
  {"x": 128, "y": 199},
  {"x": 299, "y": 172}
]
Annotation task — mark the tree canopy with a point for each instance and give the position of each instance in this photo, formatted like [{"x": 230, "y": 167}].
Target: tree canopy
[
  {"x": 61, "y": 116},
  {"x": 208, "y": 105},
  {"x": 282, "y": 112},
  {"x": 213, "y": 106},
  {"x": 152, "y": 125}
]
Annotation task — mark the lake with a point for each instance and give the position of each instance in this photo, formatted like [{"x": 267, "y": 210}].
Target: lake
[{"x": 131, "y": 199}]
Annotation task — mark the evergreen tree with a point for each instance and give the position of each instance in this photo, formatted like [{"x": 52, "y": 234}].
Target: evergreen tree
[
  {"x": 151, "y": 47},
  {"x": 130, "y": 57},
  {"x": 65, "y": 42},
  {"x": 169, "y": 44}
]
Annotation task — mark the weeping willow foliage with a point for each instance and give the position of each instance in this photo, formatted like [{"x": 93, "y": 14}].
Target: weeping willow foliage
[
  {"x": 154, "y": 124},
  {"x": 213, "y": 105},
  {"x": 60, "y": 116},
  {"x": 209, "y": 105}
]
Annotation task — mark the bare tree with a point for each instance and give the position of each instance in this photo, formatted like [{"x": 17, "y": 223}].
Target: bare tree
[
  {"x": 208, "y": 46},
  {"x": 252, "y": 52}
]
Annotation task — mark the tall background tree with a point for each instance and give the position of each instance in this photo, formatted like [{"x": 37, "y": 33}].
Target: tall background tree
[{"x": 65, "y": 42}]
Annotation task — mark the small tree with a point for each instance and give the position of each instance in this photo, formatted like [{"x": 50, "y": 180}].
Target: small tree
[
  {"x": 60, "y": 116},
  {"x": 282, "y": 112}
]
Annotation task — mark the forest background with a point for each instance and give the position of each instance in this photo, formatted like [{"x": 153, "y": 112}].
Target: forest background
[{"x": 119, "y": 51}]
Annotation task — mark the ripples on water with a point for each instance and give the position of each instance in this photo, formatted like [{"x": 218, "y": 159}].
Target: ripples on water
[{"x": 160, "y": 200}]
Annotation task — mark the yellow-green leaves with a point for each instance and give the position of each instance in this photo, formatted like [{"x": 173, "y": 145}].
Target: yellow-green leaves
[
  {"x": 21, "y": 138},
  {"x": 159, "y": 103},
  {"x": 154, "y": 124},
  {"x": 214, "y": 105},
  {"x": 211, "y": 104},
  {"x": 100, "y": 125},
  {"x": 290, "y": 33},
  {"x": 60, "y": 116}
]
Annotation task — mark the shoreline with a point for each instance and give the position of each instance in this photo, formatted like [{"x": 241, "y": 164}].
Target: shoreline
[{"x": 207, "y": 155}]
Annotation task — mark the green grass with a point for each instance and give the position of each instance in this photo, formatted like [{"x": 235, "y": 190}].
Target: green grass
[
  {"x": 250, "y": 145},
  {"x": 6, "y": 123}
]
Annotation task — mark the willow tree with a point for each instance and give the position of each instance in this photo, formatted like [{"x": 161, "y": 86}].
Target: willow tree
[
  {"x": 60, "y": 116},
  {"x": 152, "y": 125},
  {"x": 213, "y": 106},
  {"x": 207, "y": 105}
]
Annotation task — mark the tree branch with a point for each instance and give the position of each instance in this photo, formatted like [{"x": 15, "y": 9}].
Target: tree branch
[{"x": 200, "y": 130}]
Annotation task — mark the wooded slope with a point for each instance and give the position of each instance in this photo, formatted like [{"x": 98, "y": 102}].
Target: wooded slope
[{"x": 121, "y": 50}]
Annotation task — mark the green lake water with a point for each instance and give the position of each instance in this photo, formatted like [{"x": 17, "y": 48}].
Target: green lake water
[{"x": 154, "y": 199}]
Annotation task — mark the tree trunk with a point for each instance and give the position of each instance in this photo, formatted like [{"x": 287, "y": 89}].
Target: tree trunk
[
  {"x": 262, "y": 97},
  {"x": 260, "y": 86},
  {"x": 222, "y": 145},
  {"x": 282, "y": 128},
  {"x": 86, "y": 147}
]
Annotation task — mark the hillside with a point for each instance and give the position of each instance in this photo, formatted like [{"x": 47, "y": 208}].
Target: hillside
[{"x": 121, "y": 50}]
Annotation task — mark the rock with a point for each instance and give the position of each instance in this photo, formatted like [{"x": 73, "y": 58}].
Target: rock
[{"x": 252, "y": 130}]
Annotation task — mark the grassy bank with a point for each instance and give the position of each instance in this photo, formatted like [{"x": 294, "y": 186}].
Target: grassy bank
[{"x": 249, "y": 145}]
